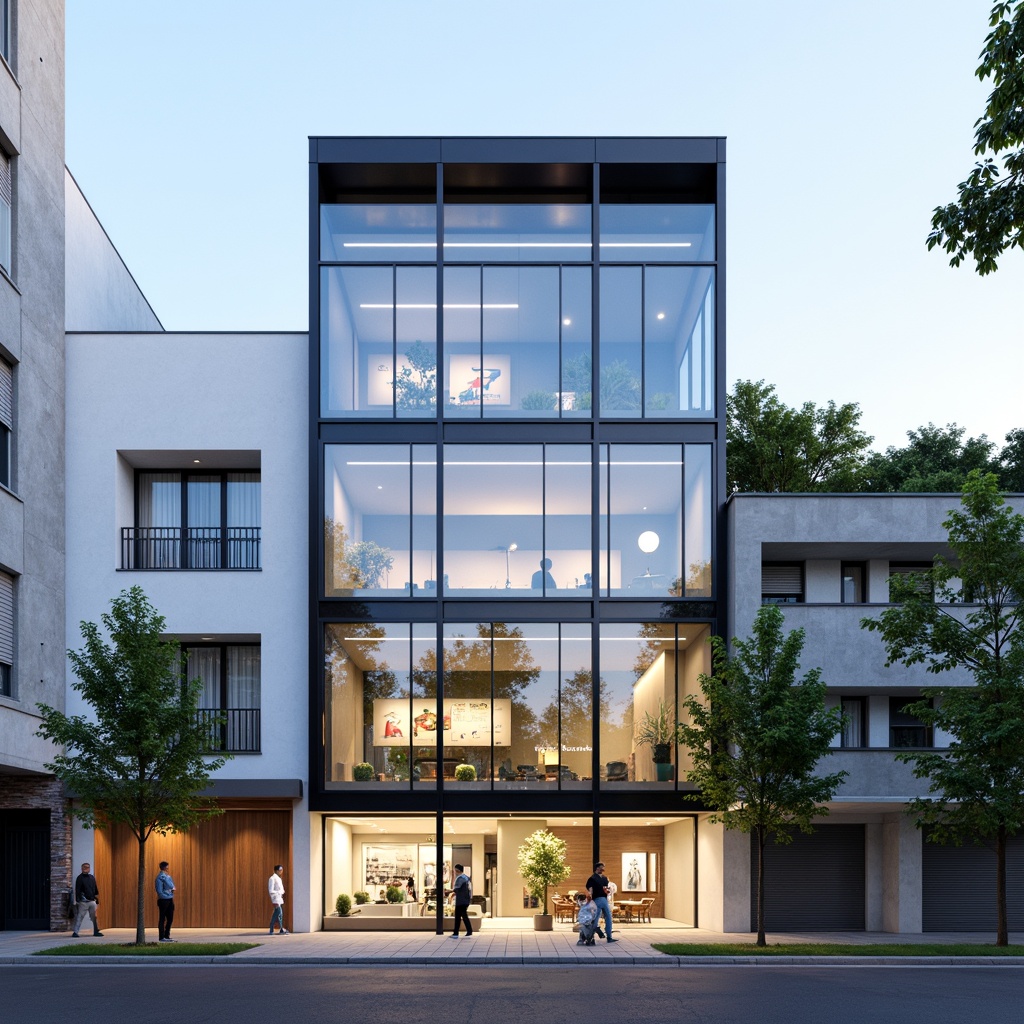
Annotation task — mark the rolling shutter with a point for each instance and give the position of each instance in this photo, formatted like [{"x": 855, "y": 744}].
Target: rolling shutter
[
  {"x": 959, "y": 887},
  {"x": 6, "y": 619},
  {"x": 6, "y": 395},
  {"x": 816, "y": 883},
  {"x": 780, "y": 580}
]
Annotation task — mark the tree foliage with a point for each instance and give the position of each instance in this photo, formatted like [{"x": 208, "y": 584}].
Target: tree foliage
[
  {"x": 935, "y": 460},
  {"x": 973, "y": 624},
  {"x": 756, "y": 735},
  {"x": 772, "y": 447},
  {"x": 988, "y": 215},
  {"x": 142, "y": 756}
]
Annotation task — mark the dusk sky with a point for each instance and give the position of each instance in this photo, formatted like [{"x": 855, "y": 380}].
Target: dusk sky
[{"x": 846, "y": 125}]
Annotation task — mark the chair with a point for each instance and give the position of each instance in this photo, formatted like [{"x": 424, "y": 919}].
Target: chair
[
  {"x": 527, "y": 771},
  {"x": 616, "y": 771},
  {"x": 644, "y": 911}
]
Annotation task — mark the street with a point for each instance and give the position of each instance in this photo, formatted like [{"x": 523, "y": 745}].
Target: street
[{"x": 92, "y": 993}]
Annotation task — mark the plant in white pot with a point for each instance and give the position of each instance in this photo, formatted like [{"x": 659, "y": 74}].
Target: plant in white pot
[
  {"x": 542, "y": 864},
  {"x": 658, "y": 731}
]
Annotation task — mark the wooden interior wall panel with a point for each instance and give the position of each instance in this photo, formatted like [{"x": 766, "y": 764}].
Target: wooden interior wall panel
[{"x": 220, "y": 871}]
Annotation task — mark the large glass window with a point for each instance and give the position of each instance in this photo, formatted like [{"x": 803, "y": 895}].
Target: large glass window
[
  {"x": 379, "y": 699},
  {"x": 646, "y": 671},
  {"x": 517, "y": 341},
  {"x": 379, "y": 519},
  {"x": 378, "y": 232},
  {"x": 656, "y": 503},
  {"x": 194, "y": 521},
  {"x": 378, "y": 331},
  {"x": 657, "y": 342},
  {"x": 516, "y": 704},
  {"x": 517, "y": 520},
  {"x": 520, "y": 232},
  {"x": 661, "y": 232}
]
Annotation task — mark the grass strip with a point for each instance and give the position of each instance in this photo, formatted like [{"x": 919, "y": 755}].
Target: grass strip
[
  {"x": 836, "y": 949},
  {"x": 149, "y": 949}
]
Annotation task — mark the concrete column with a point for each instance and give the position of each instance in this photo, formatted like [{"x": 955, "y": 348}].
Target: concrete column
[
  {"x": 902, "y": 869},
  {"x": 723, "y": 878},
  {"x": 873, "y": 916}
]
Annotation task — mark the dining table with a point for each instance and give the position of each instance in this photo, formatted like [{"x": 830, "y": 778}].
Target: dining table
[{"x": 631, "y": 908}]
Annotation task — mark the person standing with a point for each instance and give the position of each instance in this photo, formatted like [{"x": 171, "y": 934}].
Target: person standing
[
  {"x": 87, "y": 897},
  {"x": 275, "y": 886},
  {"x": 463, "y": 897},
  {"x": 600, "y": 888},
  {"x": 164, "y": 885}
]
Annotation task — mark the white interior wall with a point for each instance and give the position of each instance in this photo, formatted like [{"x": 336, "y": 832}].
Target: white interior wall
[{"x": 677, "y": 882}]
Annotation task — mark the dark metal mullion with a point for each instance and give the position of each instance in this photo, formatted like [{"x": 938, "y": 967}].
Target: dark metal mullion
[
  {"x": 643, "y": 342},
  {"x": 596, "y": 580},
  {"x": 682, "y": 520},
  {"x": 561, "y": 316},
  {"x": 224, "y": 520},
  {"x": 544, "y": 515},
  {"x": 558, "y": 698},
  {"x": 185, "y": 559},
  {"x": 412, "y": 516},
  {"x": 224, "y": 695},
  {"x": 480, "y": 292},
  {"x": 491, "y": 744},
  {"x": 440, "y": 381},
  {"x": 394, "y": 342}
]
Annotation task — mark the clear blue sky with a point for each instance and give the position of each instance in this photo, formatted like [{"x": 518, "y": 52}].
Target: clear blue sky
[{"x": 846, "y": 123}]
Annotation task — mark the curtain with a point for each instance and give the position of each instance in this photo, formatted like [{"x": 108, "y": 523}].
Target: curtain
[
  {"x": 204, "y": 665},
  {"x": 160, "y": 499},
  {"x": 243, "y": 677},
  {"x": 243, "y": 499}
]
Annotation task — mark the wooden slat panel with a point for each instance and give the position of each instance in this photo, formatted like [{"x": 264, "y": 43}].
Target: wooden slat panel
[{"x": 220, "y": 871}]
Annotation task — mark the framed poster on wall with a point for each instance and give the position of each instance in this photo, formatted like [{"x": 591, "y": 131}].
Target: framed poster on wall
[{"x": 634, "y": 872}]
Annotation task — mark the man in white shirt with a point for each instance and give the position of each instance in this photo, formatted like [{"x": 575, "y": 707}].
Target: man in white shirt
[{"x": 275, "y": 886}]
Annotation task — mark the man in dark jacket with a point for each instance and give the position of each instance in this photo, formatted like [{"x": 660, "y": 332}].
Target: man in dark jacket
[
  {"x": 87, "y": 895},
  {"x": 463, "y": 897}
]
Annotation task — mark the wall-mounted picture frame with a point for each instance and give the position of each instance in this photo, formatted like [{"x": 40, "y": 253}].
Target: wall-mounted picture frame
[{"x": 634, "y": 872}]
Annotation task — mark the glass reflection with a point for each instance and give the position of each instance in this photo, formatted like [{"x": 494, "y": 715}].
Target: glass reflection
[
  {"x": 662, "y": 232},
  {"x": 368, "y": 232},
  {"x": 521, "y": 232}
]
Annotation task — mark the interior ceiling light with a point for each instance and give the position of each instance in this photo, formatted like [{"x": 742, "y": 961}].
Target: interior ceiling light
[
  {"x": 566, "y": 322},
  {"x": 433, "y": 305},
  {"x": 646, "y": 245},
  {"x": 661, "y": 316}
]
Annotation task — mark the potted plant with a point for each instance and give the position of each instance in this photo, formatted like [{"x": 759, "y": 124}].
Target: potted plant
[
  {"x": 343, "y": 904},
  {"x": 658, "y": 731},
  {"x": 362, "y": 772},
  {"x": 361, "y": 897},
  {"x": 542, "y": 864},
  {"x": 395, "y": 894},
  {"x": 465, "y": 773}
]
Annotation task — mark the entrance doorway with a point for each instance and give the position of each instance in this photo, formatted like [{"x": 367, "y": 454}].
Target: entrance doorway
[{"x": 25, "y": 870}]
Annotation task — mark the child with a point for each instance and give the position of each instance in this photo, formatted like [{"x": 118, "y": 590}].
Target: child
[{"x": 586, "y": 916}]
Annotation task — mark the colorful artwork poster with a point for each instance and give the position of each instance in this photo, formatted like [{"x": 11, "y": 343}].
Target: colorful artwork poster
[
  {"x": 476, "y": 381},
  {"x": 387, "y": 864},
  {"x": 634, "y": 872},
  {"x": 467, "y": 723}
]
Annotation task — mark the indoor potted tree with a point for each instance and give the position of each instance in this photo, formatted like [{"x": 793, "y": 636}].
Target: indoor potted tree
[
  {"x": 658, "y": 731},
  {"x": 465, "y": 772},
  {"x": 542, "y": 864}
]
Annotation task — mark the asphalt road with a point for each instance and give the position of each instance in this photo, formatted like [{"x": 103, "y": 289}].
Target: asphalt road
[{"x": 92, "y": 994}]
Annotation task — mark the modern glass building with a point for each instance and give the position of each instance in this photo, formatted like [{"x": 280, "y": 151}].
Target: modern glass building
[{"x": 517, "y": 463}]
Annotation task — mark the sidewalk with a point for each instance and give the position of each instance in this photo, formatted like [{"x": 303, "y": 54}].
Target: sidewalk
[{"x": 497, "y": 943}]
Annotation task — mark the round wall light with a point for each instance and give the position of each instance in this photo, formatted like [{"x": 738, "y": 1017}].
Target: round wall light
[{"x": 648, "y": 541}]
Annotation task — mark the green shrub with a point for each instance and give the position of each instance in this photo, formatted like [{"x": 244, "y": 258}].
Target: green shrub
[
  {"x": 538, "y": 400},
  {"x": 363, "y": 772},
  {"x": 465, "y": 772},
  {"x": 361, "y": 897},
  {"x": 343, "y": 904},
  {"x": 395, "y": 894}
]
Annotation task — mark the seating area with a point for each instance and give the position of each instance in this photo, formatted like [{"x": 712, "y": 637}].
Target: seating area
[{"x": 637, "y": 911}]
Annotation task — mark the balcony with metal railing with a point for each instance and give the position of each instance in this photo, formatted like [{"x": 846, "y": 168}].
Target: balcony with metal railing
[
  {"x": 231, "y": 730},
  {"x": 190, "y": 547}
]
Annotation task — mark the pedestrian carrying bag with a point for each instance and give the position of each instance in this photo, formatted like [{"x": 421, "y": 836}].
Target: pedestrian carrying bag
[{"x": 72, "y": 908}]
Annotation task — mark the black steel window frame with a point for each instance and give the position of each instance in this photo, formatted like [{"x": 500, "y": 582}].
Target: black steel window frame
[
  {"x": 844, "y": 570},
  {"x": 176, "y": 543},
  {"x": 905, "y": 729},
  {"x": 705, "y": 158},
  {"x": 227, "y": 723}
]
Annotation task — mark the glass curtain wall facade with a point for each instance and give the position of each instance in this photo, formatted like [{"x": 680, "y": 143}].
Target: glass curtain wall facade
[{"x": 517, "y": 451}]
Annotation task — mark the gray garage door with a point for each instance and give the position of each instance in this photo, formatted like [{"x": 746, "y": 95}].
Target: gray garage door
[
  {"x": 960, "y": 887},
  {"x": 814, "y": 884}
]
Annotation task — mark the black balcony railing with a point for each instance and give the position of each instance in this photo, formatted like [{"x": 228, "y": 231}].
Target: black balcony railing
[
  {"x": 235, "y": 730},
  {"x": 190, "y": 547}
]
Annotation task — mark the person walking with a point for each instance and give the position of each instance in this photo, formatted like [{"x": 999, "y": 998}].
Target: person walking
[
  {"x": 600, "y": 888},
  {"x": 463, "y": 896},
  {"x": 275, "y": 886},
  {"x": 164, "y": 885},
  {"x": 87, "y": 898}
]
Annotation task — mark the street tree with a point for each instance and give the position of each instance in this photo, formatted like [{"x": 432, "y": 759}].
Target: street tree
[
  {"x": 141, "y": 756},
  {"x": 757, "y": 734},
  {"x": 971, "y": 625},
  {"x": 772, "y": 447},
  {"x": 988, "y": 215}
]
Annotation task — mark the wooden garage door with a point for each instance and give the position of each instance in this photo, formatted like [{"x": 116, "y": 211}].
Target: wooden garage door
[
  {"x": 220, "y": 870},
  {"x": 959, "y": 887},
  {"x": 814, "y": 884}
]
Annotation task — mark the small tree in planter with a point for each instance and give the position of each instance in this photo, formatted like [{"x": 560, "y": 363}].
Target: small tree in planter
[
  {"x": 465, "y": 773},
  {"x": 343, "y": 904},
  {"x": 542, "y": 864},
  {"x": 361, "y": 897},
  {"x": 395, "y": 894},
  {"x": 362, "y": 772}
]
